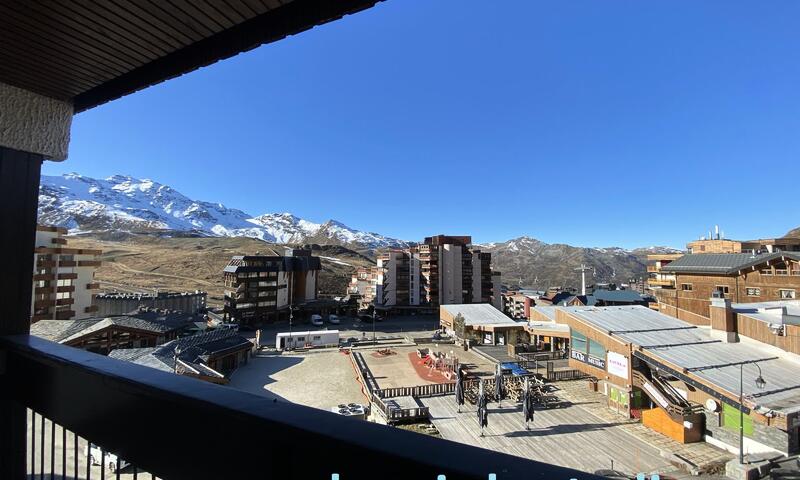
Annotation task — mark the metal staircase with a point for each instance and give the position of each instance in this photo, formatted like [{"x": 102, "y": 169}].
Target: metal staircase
[{"x": 664, "y": 395}]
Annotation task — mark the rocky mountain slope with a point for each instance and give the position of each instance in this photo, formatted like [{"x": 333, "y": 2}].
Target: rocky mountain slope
[
  {"x": 126, "y": 204},
  {"x": 137, "y": 262},
  {"x": 531, "y": 263}
]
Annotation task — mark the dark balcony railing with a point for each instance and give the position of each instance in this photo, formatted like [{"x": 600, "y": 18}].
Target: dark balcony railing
[{"x": 182, "y": 428}]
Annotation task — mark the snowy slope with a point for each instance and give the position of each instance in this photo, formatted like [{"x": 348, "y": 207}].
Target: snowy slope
[{"x": 123, "y": 203}]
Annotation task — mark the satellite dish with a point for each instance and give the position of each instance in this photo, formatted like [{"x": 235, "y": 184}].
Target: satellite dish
[{"x": 712, "y": 405}]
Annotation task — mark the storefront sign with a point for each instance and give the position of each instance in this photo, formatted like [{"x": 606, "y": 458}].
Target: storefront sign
[
  {"x": 618, "y": 365},
  {"x": 589, "y": 360}
]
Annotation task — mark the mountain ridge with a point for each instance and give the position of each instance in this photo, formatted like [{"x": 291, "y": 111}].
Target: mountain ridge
[{"x": 124, "y": 203}]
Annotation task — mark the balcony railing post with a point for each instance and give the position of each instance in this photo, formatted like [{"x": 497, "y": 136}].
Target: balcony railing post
[{"x": 19, "y": 198}]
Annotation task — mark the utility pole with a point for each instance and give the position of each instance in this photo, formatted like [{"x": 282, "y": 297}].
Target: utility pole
[{"x": 583, "y": 269}]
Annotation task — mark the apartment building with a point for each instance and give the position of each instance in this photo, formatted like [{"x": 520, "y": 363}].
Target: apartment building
[
  {"x": 261, "y": 288},
  {"x": 762, "y": 245},
  {"x": 363, "y": 285},
  {"x": 740, "y": 277},
  {"x": 656, "y": 277},
  {"x": 63, "y": 278},
  {"x": 443, "y": 270},
  {"x": 517, "y": 305}
]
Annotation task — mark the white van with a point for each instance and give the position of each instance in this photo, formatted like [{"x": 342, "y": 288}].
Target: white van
[
  {"x": 333, "y": 319},
  {"x": 316, "y": 320}
]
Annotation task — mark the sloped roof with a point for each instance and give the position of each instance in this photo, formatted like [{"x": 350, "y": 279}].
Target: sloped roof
[
  {"x": 63, "y": 331},
  {"x": 193, "y": 351},
  {"x": 481, "y": 314},
  {"x": 722, "y": 263}
]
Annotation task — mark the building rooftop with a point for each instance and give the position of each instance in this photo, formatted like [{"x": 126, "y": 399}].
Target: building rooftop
[
  {"x": 781, "y": 312},
  {"x": 476, "y": 314},
  {"x": 192, "y": 352},
  {"x": 62, "y": 331},
  {"x": 722, "y": 263},
  {"x": 693, "y": 351},
  {"x": 546, "y": 310}
]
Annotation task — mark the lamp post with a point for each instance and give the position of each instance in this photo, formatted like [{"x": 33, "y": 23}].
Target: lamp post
[
  {"x": 291, "y": 316},
  {"x": 374, "y": 314},
  {"x": 760, "y": 383}
]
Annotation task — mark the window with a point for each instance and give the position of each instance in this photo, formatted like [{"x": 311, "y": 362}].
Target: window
[
  {"x": 315, "y": 337},
  {"x": 686, "y": 287},
  {"x": 578, "y": 342},
  {"x": 721, "y": 289},
  {"x": 753, "y": 292},
  {"x": 596, "y": 350},
  {"x": 786, "y": 294},
  {"x": 766, "y": 271}
]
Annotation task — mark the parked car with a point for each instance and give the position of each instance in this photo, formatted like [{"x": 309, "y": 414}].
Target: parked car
[
  {"x": 112, "y": 461},
  {"x": 316, "y": 320},
  {"x": 333, "y": 319}
]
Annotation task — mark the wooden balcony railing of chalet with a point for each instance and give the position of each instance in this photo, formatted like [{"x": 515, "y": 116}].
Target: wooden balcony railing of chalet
[{"x": 177, "y": 427}]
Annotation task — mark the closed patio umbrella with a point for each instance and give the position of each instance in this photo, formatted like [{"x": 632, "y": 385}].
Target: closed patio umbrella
[
  {"x": 498, "y": 384},
  {"x": 527, "y": 404},
  {"x": 483, "y": 412},
  {"x": 459, "y": 389}
]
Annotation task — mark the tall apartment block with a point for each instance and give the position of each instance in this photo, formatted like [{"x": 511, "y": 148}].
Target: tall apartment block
[
  {"x": 442, "y": 270},
  {"x": 63, "y": 278},
  {"x": 261, "y": 288}
]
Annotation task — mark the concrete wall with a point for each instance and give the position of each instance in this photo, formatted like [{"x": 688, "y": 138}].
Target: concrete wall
[{"x": 33, "y": 123}]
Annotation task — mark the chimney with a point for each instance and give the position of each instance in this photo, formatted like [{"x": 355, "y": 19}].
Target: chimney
[{"x": 723, "y": 320}]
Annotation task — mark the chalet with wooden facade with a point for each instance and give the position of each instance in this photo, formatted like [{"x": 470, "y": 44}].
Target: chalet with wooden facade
[
  {"x": 210, "y": 356},
  {"x": 739, "y": 277},
  {"x": 146, "y": 328}
]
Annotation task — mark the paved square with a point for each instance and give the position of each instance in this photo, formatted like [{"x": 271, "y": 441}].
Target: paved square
[{"x": 570, "y": 437}]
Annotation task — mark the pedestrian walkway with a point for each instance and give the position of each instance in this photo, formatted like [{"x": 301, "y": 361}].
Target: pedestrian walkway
[
  {"x": 571, "y": 437},
  {"x": 699, "y": 456}
]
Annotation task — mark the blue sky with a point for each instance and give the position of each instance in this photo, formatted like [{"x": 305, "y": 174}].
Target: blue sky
[{"x": 592, "y": 123}]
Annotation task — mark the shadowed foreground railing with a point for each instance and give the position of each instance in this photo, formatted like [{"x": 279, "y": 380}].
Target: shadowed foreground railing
[{"x": 182, "y": 428}]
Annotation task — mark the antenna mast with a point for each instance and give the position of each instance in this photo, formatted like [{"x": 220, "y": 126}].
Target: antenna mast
[{"x": 583, "y": 269}]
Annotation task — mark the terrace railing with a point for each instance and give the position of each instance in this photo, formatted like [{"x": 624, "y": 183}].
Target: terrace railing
[{"x": 182, "y": 428}]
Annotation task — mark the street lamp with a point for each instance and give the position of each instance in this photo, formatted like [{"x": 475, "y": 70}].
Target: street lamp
[
  {"x": 374, "y": 314},
  {"x": 291, "y": 316},
  {"x": 760, "y": 384}
]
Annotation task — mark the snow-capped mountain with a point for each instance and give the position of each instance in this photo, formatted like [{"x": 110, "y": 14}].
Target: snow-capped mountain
[{"x": 123, "y": 203}]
